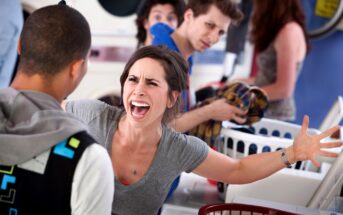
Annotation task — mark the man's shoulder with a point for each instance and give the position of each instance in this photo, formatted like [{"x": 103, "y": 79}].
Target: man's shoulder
[
  {"x": 86, "y": 146},
  {"x": 82, "y": 137},
  {"x": 94, "y": 157}
]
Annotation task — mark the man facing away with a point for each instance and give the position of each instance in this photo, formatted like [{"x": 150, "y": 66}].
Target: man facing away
[
  {"x": 48, "y": 163},
  {"x": 205, "y": 21}
]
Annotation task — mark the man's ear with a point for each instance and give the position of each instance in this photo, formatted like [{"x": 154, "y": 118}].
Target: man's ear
[
  {"x": 76, "y": 69},
  {"x": 171, "y": 101},
  {"x": 19, "y": 47},
  {"x": 188, "y": 15}
]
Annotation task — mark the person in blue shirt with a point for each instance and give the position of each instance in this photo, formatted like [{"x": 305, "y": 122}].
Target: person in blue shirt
[
  {"x": 204, "y": 23},
  {"x": 150, "y": 12}
]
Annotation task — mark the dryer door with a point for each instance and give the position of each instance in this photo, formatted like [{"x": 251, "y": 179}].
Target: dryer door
[
  {"x": 119, "y": 7},
  {"x": 322, "y": 16}
]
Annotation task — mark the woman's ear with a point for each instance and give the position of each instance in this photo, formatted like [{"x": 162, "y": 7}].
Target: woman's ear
[
  {"x": 172, "y": 100},
  {"x": 146, "y": 24}
]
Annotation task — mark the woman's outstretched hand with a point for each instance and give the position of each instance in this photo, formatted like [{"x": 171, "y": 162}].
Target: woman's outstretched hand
[{"x": 307, "y": 147}]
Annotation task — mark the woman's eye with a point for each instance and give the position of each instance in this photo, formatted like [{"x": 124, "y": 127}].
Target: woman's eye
[
  {"x": 171, "y": 18},
  {"x": 131, "y": 79},
  {"x": 152, "y": 84},
  {"x": 158, "y": 17}
]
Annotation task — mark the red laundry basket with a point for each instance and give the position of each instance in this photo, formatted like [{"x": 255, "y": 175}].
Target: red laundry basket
[{"x": 234, "y": 208}]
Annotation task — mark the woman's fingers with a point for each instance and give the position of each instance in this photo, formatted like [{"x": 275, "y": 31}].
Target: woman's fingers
[
  {"x": 315, "y": 162},
  {"x": 315, "y": 142},
  {"x": 331, "y": 144},
  {"x": 328, "y": 132},
  {"x": 327, "y": 154},
  {"x": 305, "y": 123}
]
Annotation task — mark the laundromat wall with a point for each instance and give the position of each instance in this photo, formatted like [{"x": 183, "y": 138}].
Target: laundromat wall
[{"x": 321, "y": 79}]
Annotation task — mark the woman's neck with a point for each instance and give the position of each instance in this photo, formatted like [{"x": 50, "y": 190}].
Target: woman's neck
[
  {"x": 140, "y": 137},
  {"x": 148, "y": 40}
]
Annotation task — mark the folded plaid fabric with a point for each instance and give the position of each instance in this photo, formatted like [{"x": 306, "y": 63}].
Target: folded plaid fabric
[{"x": 250, "y": 98}]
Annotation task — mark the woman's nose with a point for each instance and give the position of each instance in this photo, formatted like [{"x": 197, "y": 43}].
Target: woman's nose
[
  {"x": 139, "y": 90},
  {"x": 165, "y": 21},
  {"x": 138, "y": 93}
]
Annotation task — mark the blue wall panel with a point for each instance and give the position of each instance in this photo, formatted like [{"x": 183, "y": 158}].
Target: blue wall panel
[{"x": 321, "y": 79}]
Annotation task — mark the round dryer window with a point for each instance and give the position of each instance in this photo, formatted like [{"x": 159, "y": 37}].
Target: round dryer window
[
  {"x": 119, "y": 7},
  {"x": 322, "y": 16}
]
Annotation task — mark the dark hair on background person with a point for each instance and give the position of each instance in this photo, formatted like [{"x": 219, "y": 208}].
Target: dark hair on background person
[
  {"x": 50, "y": 41},
  {"x": 143, "y": 12},
  {"x": 175, "y": 68},
  {"x": 269, "y": 16},
  {"x": 227, "y": 7}
]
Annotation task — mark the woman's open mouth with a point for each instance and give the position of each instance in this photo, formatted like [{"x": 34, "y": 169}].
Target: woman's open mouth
[{"x": 139, "y": 109}]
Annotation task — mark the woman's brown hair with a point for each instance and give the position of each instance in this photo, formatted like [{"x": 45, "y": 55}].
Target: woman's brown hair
[
  {"x": 175, "y": 68},
  {"x": 143, "y": 12},
  {"x": 269, "y": 16}
]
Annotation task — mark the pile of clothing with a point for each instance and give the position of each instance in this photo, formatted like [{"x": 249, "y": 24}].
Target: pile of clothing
[{"x": 250, "y": 98}]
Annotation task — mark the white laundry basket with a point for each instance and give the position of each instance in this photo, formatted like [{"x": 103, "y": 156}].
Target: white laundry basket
[{"x": 265, "y": 136}]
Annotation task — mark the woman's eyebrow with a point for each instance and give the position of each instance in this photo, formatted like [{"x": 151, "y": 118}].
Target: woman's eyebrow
[
  {"x": 152, "y": 79},
  {"x": 156, "y": 11}
]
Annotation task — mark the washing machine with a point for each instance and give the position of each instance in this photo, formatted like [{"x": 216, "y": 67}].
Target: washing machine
[
  {"x": 113, "y": 42},
  {"x": 323, "y": 17}
]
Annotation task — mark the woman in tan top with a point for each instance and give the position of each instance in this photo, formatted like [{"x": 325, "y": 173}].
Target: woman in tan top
[{"x": 279, "y": 36}]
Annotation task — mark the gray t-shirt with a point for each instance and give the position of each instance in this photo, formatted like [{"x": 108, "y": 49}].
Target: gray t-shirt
[{"x": 176, "y": 153}]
